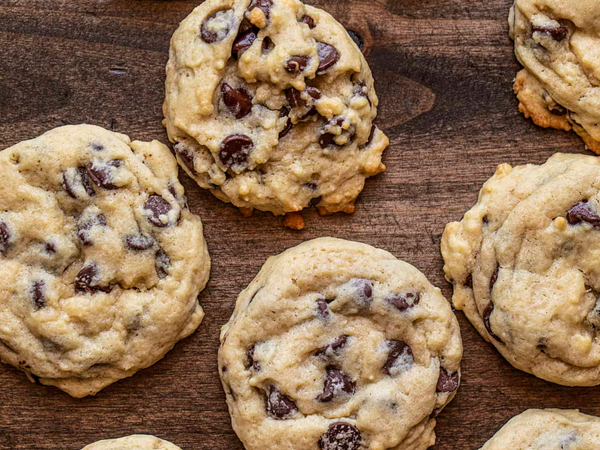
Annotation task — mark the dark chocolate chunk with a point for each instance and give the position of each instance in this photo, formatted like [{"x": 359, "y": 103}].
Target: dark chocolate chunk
[
  {"x": 341, "y": 436},
  {"x": 557, "y": 33},
  {"x": 358, "y": 40},
  {"x": 5, "y": 238},
  {"x": 84, "y": 227},
  {"x": 296, "y": 64},
  {"x": 38, "y": 294},
  {"x": 81, "y": 177},
  {"x": 404, "y": 301},
  {"x": 279, "y": 406},
  {"x": 244, "y": 41},
  {"x": 139, "y": 242},
  {"x": 582, "y": 212},
  {"x": 371, "y": 135},
  {"x": 238, "y": 101},
  {"x": 308, "y": 21},
  {"x": 235, "y": 150},
  {"x": 267, "y": 45},
  {"x": 447, "y": 382},
  {"x": 397, "y": 350},
  {"x": 103, "y": 175},
  {"x": 264, "y": 5},
  {"x": 328, "y": 56},
  {"x": 494, "y": 278},
  {"x": 250, "y": 362},
  {"x": 163, "y": 263},
  {"x": 156, "y": 207},
  {"x": 489, "y": 309},
  {"x": 323, "y": 309},
  {"x": 335, "y": 346},
  {"x": 336, "y": 383},
  {"x": 294, "y": 99},
  {"x": 210, "y": 36},
  {"x": 87, "y": 280},
  {"x": 187, "y": 156}
]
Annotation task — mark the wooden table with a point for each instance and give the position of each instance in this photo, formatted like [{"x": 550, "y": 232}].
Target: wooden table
[{"x": 444, "y": 71}]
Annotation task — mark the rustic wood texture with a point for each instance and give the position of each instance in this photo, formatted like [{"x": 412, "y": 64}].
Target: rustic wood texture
[{"x": 444, "y": 71}]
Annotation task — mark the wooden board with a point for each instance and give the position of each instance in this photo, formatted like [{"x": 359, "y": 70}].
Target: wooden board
[{"x": 444, "y": 71}]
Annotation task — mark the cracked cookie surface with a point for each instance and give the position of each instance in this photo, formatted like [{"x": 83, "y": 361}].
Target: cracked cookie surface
[
  {"x": 339, "y": 345},
  {"x": 548, "y": 429},
  {"x": 524, "y": 266},
  {"x": 135, "y": 442},
  {"x": 101, "y": 260},
  {"x": 558, "y": 43},
  {"x": 270, "y": 105}
]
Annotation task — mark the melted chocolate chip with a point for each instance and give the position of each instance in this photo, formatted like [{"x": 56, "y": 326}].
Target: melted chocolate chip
[
  {"x": 360, "y": 43},
  {"x": 447, "y": 382},
  {"x": 314, "y": 93},
  {"x": 341, "y": 436},
  {"x": 335, "y": 346},
  {"x": 485, "y": 220},
  {"x": 308, "y": 21},
  {"x": 336, "y": 383},
  {"x": 489, "y": 309},
  {"x": 371, "y": 135},
  {"x": 81, "y": 177},
  {"x": 288, "y": 126},
  {"x": 238, "y": 101},
  {"x": 279, "y": 406},
  {"x": 250, "y": 362},
  {"x": 87, "y": 280},
  {"x": 139, "y": 242},
  {"x": 328, "y": 56},
  {"x": 404, "y": 301},
  {"x": 38, "y": 294},
  {"x": 162, "y": 264},
  {"x": 235, "y": 150},
  {"x": 83, "y": 228},
  {"x": 264, "y": 5},
  {"x": 103, "y": 175},
  {"x": 323, "y": 309},
  {"x": 314, "y": 201},
  {"x": 296, "y": 64},
  {"x": 5, "y": 238},
  {"x": 156, "y": 207},
  {"x": 582, "y": 212},
  {"x": 244, "y": 41},
  {"x": 267, "y": 45},
  {"x": 397, "y": 350},
  {"x": 557, "y": 33},
  {"x": 294, "y": 99},
  {"x": 326, "y": 140},
  {"x": 187, "y": 156},
  {"x": 210, "y": 36},
  {"x": 494, "y": 278}
]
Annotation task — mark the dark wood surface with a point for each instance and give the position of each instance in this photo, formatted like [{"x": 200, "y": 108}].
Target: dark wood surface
[{"x": 444, "y": 71}]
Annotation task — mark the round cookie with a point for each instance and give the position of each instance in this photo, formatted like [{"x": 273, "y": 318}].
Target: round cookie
[
  {"x": 135, "y": 442},
  {"x": 271, "y": 106},
  {"x": 524, "y": 265},
  {"x": 548, "y": 429},
  {"x": 558, "y": 43},
  {"x": 101, "y": 262},
  {"x": 339, "y": 345}
]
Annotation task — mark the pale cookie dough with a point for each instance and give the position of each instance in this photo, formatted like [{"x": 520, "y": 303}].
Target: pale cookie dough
[
  {"x": 337, "y": 345},
  {"x": 271, "y": 106},
  {"x": 558, "y": 43},
  {"x": 524, "y": 265},
  {"x": 101, "y": 262},
  {"x": 548, "y": 429},
  {"x": 135, "y": 442}
]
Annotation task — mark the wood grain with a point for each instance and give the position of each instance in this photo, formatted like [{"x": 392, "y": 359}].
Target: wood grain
[{"x": 444, "y": 71}]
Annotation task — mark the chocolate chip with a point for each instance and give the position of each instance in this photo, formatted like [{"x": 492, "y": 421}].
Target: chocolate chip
[
  {"x": 156, "y": 207},
  {"x": 485, "y": 220},
  {"x": 494, "y": 277},
  {"x": 362, "y": 90},
  {"x": 280, "y": 406},
  {"x": 296, "y": 64},
  {"x": 264, "y": 5},
  {"x": 404, "y": 301},
  {"x": 250, "y": 362},
  {"x": 210, "y": 36},
  {"x": 314, "y": 93},
  {"x": 103, "y": 175},
  {"x": 360, "y": 43},
  {"x": 238, "y": 101},
  {"x": 341, "y": 436},
  {"x": 294, "y": 98},
  {"x": 288, "y": 126},
  {"x": 5, "y": 238},
  {"x": 87, "y": 280},
  {"x": 84, "y": 227},
  {"x": 582, "y": 212},
  {"x": 371, "y": 135},
  {"x": 186, "y": 155},
  {"x": 139, "y": 242},
  {"x": 308, "y": 21},
  {"x": 397, "y": 350},
  {"x": 447, "y": 382},
  {"x": 334, "y": 347},
  {"x": 80, "y": 178},
  {"x": 49, "y": 247},
  {"x": 97, "y": 147},
  {"x": 235, "y": 150},
  {"x": 267, "y": 45},
  {"x": 489, "y": 309},
  {"x": 162, "y": 264},
  {"x": 37, "y": 292},
  {"x": 557, "y": 33},
  {"x": 336, "y": 383},
  {"x": 314, "y": 201},
  {"x": 326, "y": 140},
  {"x": 323, "y": 309},
  {"x": 469, "y": 281},
  {"x": 244, "y": 41},
  {"x": 328, "y": 56}
]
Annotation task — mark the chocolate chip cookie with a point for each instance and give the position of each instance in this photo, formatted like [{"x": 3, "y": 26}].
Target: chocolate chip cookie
[
  {"x": 101, "y": 262},
  {"x": 558, "y": 43},
  {"x": 270, "y": 105},
  {"x": 135, "y": 442},
  {"x": 339, "y": 345},
  {"x": 548, "y": 429},
  {"x": 524, "y": 265}
]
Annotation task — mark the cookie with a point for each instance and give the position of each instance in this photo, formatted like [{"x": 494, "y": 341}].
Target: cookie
[
  {"x": 558, "y": 42},
  {"x": 270, "y": 105},
  {"x": 101, "y": 261},
  {"x": 135, "y": 442},
  {"x": 548, "y": 429},
  {"x": 339, "y": 345},
  {"x": 524, "y": 265}
]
